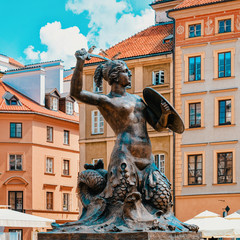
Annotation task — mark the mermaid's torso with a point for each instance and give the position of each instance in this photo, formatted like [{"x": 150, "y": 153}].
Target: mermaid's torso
[{"x": 127, "y": 119}]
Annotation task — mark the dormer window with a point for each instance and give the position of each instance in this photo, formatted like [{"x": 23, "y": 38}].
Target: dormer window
[
  {"x": 69, "y": 108},
  {"x": 66, "y": 104},
  {"x": 10, "y": 99},
  {"x": 54, "y": 105},
  {"x": 13, "y": 102},
  {"x": 52, "y": 100}
]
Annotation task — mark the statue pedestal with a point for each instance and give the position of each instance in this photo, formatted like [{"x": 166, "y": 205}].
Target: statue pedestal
[{"x": 121, "y": 236}]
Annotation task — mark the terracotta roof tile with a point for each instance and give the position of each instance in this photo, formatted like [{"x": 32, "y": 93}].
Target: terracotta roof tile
[
  {"x": 28, "y": 105},
  {"x": 67, "y": 78},
  {"x": 146, "y": 42},
  {"x": 15, "y": 63},
  {"x": 195, "y": 3}
]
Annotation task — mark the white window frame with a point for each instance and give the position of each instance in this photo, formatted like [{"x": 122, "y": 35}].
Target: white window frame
[
  {"x": 15, "y": 160},
  {"x": 69, "y": 108},
  {"x": 161, "y": 162},
  {"x": 54, "y": 104},
  {"x": 49, "y": 165},
  {"x": 161, "y": 76},
  {"x": 66, "y": 202},
  {"x": 97, "y": 122},
  {"x": 66, "y": 137},
  {"x": 52, "y": 200},
  {"x": 66, "y": 169},
  {"x": 97, "y": 89},
  {"x": 49, "y": 134}
]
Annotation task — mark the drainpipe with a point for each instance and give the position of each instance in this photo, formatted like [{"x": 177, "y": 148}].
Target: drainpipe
[{"x": 174, "y": 136}]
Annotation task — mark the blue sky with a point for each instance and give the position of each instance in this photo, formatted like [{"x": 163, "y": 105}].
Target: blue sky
[{"x": 34, "y": 31}]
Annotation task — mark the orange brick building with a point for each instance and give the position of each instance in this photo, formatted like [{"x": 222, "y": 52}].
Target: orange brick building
[{"x": 39, "y": 157}]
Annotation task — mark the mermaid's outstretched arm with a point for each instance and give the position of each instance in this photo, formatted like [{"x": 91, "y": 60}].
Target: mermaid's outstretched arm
[{"x": 77, "y": 82}]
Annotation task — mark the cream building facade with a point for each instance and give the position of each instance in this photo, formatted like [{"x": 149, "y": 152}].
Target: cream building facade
[{"x": 207, "y": 95}]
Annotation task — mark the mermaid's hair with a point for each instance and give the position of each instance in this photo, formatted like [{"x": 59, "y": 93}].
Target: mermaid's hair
[{"x": 109, "y": 71}]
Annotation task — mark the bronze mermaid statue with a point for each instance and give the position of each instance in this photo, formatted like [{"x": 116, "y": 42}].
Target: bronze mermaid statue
[{"x": 133, "y": 195}]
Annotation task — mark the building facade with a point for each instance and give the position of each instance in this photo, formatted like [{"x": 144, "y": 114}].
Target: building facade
[
  {"x": 39, "y": 149},
  {"x": 207, "y": 50}
]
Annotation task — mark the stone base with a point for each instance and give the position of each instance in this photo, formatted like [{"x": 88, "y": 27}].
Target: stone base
[{"x": 121, "y": 236}]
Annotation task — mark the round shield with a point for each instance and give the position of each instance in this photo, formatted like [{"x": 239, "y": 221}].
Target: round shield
[{"x": 155, "y": 100}]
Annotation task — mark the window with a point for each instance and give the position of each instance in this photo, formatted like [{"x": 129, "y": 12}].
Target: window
[
  {"x": 97, "y": 89},
  {"x": 66, "y": 137},
  {"x": 15, "y": 162},
  {"x": 15, "y": 130},
  {"x": 13, "y": 101},
  {"x": 15, "y": 200},
  {"x": 224, "y": 61},
  {"x": 97, "y": 122},
  {"x": 224, "y": 64},
  {"x": 194, "y": 115},
  {"x": 16, "y": 234},
  {"x": 65, "y": 201},
  {"x": 194, "y": 68},
  {"x": 160, "y": 162},
  {"x": 49, "y": 134},
  {"x": 158, "y": 77},
  {"x": 49, "y": 201},
  {"x": 69, "y": 108},
  {"x": 194, "y": 30},
  {"x": 225, "y": 167},
  {"x": 224, "y": 26},
  {"x": 49, "y": 165},
  {"x": 225, "y": 114},
  {"x": 65, "y": 167},
  {"x": 10, "y": 99},
  {"x": 54, "y": 104},
  {"x": 195, "y": 169}
]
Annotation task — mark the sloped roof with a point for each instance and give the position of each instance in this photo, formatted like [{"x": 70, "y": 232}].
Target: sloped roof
[
  {"x": 15, "y": 63},
  {"x": 160, "y": 1},
  {"x": 67, "y": 78},
  {"x": 28, "y": 105},
  {"x": 145, "y": 43},
  {"x": 196, "y": 3}
]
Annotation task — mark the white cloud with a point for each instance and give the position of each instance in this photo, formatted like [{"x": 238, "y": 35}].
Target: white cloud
[
  {"x": 29, "y": 51},
  {"x": 110, "y": 21},
  {"x": 61, "y": 44}
]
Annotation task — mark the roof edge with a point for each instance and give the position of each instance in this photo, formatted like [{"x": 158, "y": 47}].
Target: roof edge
[
  {"x": 163, "y": 1},
  {"x": 200, "y": 5},
  {"x": 134, "y": 57},
  {"x": 37, "y": 113}
]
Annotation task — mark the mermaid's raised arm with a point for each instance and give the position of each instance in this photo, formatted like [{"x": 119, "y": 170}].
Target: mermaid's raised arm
[{"x": 77, "y": 81}]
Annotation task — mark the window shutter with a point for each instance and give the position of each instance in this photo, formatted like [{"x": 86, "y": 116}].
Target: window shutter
[
  {"x": 161, "y": 77},
  {"x": 153, "y": 78},
  {"x": 93, "y": 122}
]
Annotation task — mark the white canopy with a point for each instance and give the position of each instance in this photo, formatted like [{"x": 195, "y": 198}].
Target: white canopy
[
  {"x": 211, "y": 225},
  {"x": 233, "y": 216},
  {"x": 10, "y": 218},
  {"x": 234, "y": 219}
]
